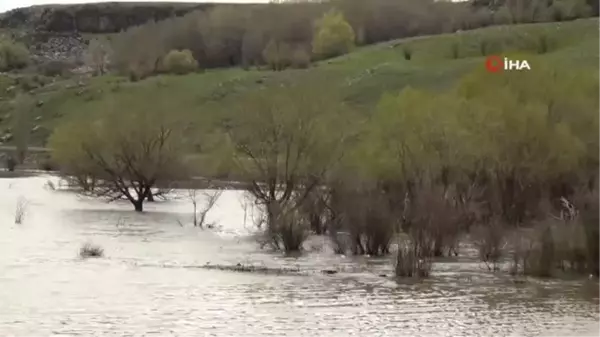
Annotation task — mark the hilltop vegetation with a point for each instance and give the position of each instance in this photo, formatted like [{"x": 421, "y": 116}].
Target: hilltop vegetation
[
  {"x": 362, "y": 76},
  {"x": 110, "y": 17}
]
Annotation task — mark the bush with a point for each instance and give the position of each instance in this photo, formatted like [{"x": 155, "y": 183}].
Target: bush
[
  {"x": 13, "y": 55},
  {"x": 454, "y": 49},
  {"x": 179, "y": 62},
  {"x": 11, "y": 163},
  {"x": 334, "y": 36},
  {"x": 90, "y": 250},
  {"x": 277, "y": 55},
  {"x": 47, "y": 164},
  {"x": 362, "y": 216},
  {"x": 21, "y": 210},
  {"x": 563, "y": 10},
  {"x": 407, "y": 51},
  {"x": 490, "y": 242},
  {"x": 484, "y": 47},
  {"x": 543, "y": 44},
  {"x": 554, "y": 245},
  {"x": 588, "y": 205},
  {"x": 414, "y": 256},
  {"x": 55, "y": 68},
  {"x": 287, "y": 231},
  {"x": 300, "y": 58}
]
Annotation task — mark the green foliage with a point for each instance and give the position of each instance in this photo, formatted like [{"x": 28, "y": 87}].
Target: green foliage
[
  {"x": 12, "y": 55},
  {"x": 454, "y": 49},
  {"x": 54, "y": 68},
  {"x": 113, "y": 129},
  {"x": 127, "y": 152},
  {"x": 277, "y": 55},
  {"x": 407, "y": 51},
  {"x": 300, "y": 58},
  {"x": 570, "y": 9},
  {"x": 284, "y": 139},
  {"x": 23, "y": 122},
  {"x": 179, "y": 62},
  {"x": 362, "y": 76},
  {"x": 226, "y": 35},
  {"x": 545, "y": 120},
  {"x": 333, "y": 35},
  {"x": 286, "y": 129},
  {"x": 413, "y": 134}
]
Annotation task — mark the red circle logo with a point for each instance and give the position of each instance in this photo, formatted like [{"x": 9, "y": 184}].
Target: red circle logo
[{"x": 493, "y": 64}]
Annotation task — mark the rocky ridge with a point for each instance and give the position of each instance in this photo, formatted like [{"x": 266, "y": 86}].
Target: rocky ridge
[{"x": 60, "y": 33}]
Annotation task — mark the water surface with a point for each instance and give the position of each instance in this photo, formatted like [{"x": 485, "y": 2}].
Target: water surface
[{"x": 149, "y": 281}]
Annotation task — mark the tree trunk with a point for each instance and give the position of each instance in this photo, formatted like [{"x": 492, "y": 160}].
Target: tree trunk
[
  {"x": 139, "y": 205},
  {"x": 150, "y": 196}
]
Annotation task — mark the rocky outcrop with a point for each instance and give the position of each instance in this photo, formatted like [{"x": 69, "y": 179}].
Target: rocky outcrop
[
  {"x": 57, "y": 47},
  {"x": 93, "y": 18}
]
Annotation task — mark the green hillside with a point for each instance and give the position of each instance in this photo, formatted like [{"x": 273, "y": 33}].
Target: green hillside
[{"x": 363, "y": 75}]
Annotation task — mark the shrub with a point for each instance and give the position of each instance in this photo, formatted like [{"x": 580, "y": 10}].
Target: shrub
[
  {"x": 363, "y": 223},
  {"x": 21, "y": 210},
  {"x": 90, "y": 250},
  {"x": 588, "y": 205},
  {"x": 454, "y": 50},
  {"x": 407, "y": 52},
  {"x": 277, "y": 55},
  {"x": 414, "y": 256},
  {"x": 286, "y": 231},
  {"x": 543, "y": 44},
  {"x": 179, "y": 62},
  {"x": 55, "y": 68},
  {"x": 13, "y": 55},
  {"x": 484, "y": 47},
  {"x": 490, "y": 242},
  {"x": 11, "y": 163},
  {"x": 430, "y": 211},
  {"x": 570, "y": 9},
  {"x": 333, "y": 36},
  {"x": 552, "y": 245},
  {"x": 28, "y": 83},
  {"x": 300, "y": 58},
  {"x": 47, "y": 164}
]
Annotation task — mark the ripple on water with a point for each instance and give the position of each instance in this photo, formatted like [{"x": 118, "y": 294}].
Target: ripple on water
[{"x": 149, "y": 282}]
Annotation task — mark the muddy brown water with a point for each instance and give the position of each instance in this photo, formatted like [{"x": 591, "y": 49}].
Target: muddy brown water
[{"x": 149, "y": 281}]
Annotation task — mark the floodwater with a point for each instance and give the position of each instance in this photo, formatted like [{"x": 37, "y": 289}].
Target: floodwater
[{"x": 149, "y": 281}]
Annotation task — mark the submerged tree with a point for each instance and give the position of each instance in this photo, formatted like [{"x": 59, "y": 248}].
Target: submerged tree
[
  {"x": 284, "y": 142},
  {"x": 126, "y": 153}
]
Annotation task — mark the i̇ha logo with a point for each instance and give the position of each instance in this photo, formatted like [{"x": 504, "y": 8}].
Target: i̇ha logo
[{"x": 496, "y": 64}]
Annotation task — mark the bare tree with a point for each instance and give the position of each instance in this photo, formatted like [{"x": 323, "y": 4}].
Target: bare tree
[
  {"x": 98, "y": 55},
  {"x": 210, "y": 199},
  {"x": 21, "y": 210}
]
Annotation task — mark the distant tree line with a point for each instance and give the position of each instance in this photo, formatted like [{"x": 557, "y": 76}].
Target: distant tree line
[{"x": 292, "y": 34}]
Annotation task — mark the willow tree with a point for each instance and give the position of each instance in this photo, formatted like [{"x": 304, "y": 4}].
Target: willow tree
[
  {"x": 128, "y": 144},
  {"x": 537, "y": 133},
  {"x": 416, "y": 144},
  {"x": 285, "y": 141},
  {"x": 333, "y": 35}
]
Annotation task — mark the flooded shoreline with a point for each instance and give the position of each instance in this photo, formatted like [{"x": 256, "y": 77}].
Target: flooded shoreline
[{"x": 153, "y": 279}]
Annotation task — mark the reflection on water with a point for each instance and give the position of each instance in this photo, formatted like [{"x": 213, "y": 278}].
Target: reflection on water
[{"x": 149, "y": 282}]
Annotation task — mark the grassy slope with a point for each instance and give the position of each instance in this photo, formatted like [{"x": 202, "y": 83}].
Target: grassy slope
[{"x": 363, "y": 74}]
